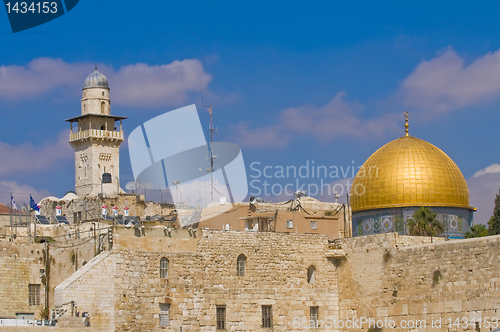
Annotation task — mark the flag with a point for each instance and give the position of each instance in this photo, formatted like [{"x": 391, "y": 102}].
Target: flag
[
  {"x": 33, "y": 204},
  {"x": 13, "y": 203}
]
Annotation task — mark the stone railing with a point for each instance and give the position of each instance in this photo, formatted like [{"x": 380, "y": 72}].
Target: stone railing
[{"x": 95, "y": 133}]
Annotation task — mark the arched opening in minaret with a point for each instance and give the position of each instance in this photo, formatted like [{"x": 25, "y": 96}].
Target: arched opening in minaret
[{"x": 103, "y": 108}]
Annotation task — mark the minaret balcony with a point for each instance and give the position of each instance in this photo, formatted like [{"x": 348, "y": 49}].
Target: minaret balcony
[{"x": 97, "y": 134}]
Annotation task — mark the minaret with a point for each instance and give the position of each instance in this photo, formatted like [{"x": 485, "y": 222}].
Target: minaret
[{"x": 96, "y": 140}]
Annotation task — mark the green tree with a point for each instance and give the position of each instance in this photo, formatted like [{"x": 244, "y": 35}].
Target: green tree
[
  {"x": 424, "y": 222},
  {"x": 477, "y": 231},
  {"x": 494, "y": 223}
]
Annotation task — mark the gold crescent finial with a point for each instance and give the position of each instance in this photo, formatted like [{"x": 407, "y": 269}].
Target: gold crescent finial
[{"x": 406, "y": 123}]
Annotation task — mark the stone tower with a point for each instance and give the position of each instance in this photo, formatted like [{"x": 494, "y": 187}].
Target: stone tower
[{"x": 96, "y": 140}]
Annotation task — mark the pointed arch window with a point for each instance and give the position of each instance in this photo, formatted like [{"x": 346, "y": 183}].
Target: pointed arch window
[
  {"x": 241, "y": 263},
  {"x": 164, "y": 268},
  {"x": 103, "y": 108}
]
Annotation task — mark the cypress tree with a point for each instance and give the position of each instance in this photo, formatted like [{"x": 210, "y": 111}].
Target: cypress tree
[{"x": 494, "y": 223}]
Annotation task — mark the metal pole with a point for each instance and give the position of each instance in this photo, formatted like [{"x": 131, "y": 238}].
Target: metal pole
[
  {"x": 11, "y": 207},
  {"x": 17, "y": 222},
  {"x": 211, "y": 156},
  {"x": 28, "y": 224},
  {"x": 47, "y": 262}
]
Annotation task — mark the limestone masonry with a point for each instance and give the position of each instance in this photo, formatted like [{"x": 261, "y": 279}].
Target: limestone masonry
[{"x": 381, "y": 276}]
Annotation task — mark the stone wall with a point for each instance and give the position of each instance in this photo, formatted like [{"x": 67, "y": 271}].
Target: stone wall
[
  {"x": 202, "y": 275},
  {"x": 387, "y": 277},
  {"x": 22, "y": 264},
  {"x": 68, "y": 257},
  {"x": 92, "y": 289},
  {"x": 58, "y": 232},
  {"x": 397, "y": 278}
]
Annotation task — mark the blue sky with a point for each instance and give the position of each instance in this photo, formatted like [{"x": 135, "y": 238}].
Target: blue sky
[{"x": 290, "y": 82}]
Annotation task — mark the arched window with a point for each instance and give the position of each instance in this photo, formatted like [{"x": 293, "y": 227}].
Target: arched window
[
  {"x": 103, "y": 108},
  {"x": 311, "y": 274},
  {"x": 164, "y": 268},
  {"x": 241, "y": 265}
]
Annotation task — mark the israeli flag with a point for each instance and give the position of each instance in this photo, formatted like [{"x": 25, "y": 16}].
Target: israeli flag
[
  {"x": 13, "y": 203},
  {"x": 33, "y": 204}
]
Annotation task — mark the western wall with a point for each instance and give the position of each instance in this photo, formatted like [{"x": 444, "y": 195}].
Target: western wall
[{"x": 383, "y": 277}]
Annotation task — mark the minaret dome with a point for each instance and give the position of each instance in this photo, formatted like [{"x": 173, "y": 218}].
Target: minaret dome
[{"x": 96, "y": 80}]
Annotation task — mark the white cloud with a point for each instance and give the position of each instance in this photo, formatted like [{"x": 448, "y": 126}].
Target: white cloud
[
  {"x": 482, "y": 192},
  {"x": 268, "y": 136},
  {"x": 20, "y": 192},
  {"x": 136, "y": 84},
  {"x": 438, "y": 85},
  {"x": 493, "y": 168},
  {"x": 484, "y": 185},
  {"x": 29, "y": 157},
  {"x": 338, "y": 118},
  {"x": 445, "y": 82},
  {"x": 141, "y": 84},
  {"x": 39, "y": 76}
]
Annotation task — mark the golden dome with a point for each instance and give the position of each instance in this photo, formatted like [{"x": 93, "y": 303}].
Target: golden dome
[{"x": 411, "y": 172}]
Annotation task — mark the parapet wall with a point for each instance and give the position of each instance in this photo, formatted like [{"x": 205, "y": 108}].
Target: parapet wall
[{"x": 90, "y": 207}]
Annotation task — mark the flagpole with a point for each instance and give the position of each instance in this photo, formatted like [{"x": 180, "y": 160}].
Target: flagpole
[
  {"x": 28, "y": 224},
  {"x": 35, "y": 208},
  {"x": 17, "y": 222},
  {"x": 11, "y": 199},
  {"x": 34, "y": 228}
]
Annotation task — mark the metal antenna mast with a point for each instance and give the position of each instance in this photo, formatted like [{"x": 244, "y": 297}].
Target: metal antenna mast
[{"x": 210, "y": 148}]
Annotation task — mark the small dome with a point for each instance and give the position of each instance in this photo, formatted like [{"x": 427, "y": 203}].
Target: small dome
[
  {"x": 96, "y": 80},
  {"x": 409, "y": 172},
  {"x": 69, "y": 196}
]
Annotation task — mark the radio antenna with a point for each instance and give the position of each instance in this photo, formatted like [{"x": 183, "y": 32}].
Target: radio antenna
[{"x": 210, "y": 148}]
